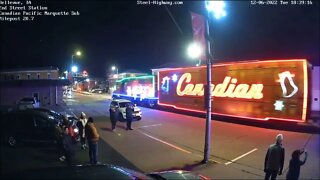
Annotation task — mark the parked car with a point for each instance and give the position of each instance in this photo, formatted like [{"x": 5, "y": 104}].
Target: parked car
[
  {"x": 97, "y": 90},
  {"x": 67, "y": 93},
  {"x": 121, "y": 105},
  {"x": 28, "y": 102},
  {"x": 177, "y": 174},
  {"x": 72, "y": 119},
  {"x": 30, "y": 126},
  {"x": 100, "y": 171}
]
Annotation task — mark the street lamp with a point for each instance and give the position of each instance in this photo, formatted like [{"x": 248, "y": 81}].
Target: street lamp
[
  {"x": 74, "y": 69},
  {"x": 113, "y": 68},
  {"x": 194, "y": 50},
  {"x": 215, "y": 8},
  {"x": 78, "y": 53},
  {"x": 66, "y": 72},
  {"x": 115, "y": 76}
]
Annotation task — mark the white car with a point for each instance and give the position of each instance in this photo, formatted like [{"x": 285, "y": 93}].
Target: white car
[
  {"x": 96, "y": 91},
  {"x": 27, "y": 103},
  {"x": 120, "y": 105}
]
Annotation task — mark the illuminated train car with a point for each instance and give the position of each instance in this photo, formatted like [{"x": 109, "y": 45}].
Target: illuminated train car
[
  {"x": 259, "y": 90},
  {"x": 139, "y": 89}
]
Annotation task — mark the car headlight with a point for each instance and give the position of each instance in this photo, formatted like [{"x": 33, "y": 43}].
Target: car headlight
[{"x": 76, "y": 130}]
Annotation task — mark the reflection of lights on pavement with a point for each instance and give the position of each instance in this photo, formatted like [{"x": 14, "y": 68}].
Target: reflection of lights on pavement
[{"x": 278, "y": 105}]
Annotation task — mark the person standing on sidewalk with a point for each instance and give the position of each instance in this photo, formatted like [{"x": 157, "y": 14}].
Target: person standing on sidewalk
[
  {"x": 68, "y": 147},
  {"x": 273, "y": 164},
  {"x": 81, "y": 125},
  {"x": 295, "y": 164},
  {"x": 59, "y": 136},
  {"x": 129, "y": 115},
  {"x": 114, "y": 114},
  {"x": 93, "y": 138}
]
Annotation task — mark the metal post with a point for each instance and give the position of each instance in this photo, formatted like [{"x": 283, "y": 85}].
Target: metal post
[
  {"x": 208, "y": 98},
  {"x": 71, "y": 65}
]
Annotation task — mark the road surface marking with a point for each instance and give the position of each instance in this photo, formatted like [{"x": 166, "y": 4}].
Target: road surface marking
[
  {"x": 233, "y": 160},
  {"x": 171, "y": 145},
  {"x": 149, "y": 126}
]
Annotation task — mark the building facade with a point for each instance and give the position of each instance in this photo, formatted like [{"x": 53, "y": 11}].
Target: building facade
[
  {"x": 42, "y": 83},
  {"x": 29, "y": 74}
]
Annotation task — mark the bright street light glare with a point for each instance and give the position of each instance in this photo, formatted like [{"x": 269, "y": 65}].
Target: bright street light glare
[
  {"x": 78, "y": 53},
  {"x": 113, "y": 68},
  {"x": 74, "y": 69},
  {"x": 217, "y": 8},
  {"x": 194, "y": 51}
]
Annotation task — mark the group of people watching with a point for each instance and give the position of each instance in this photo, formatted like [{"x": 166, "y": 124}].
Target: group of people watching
[
  {"x": 67, "y": 139},
  {"x": 274, "y": 161},
  {"x": 115, "y": 114},
  {"x": 273, "y": 165}
]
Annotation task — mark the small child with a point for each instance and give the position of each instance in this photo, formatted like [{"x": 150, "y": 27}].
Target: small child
[{"x": 295, "y": 164}]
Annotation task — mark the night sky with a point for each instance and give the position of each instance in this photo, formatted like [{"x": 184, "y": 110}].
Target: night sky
[{"x": 141, "y": 37}]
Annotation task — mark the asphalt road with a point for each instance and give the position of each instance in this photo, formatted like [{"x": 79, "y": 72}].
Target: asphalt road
[{"x": 164, "y": 140}]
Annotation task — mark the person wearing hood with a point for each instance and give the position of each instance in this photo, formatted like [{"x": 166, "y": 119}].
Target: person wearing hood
[
  {"x": 92, "y": 138},
  {"x": 295, "y": 164},
  {"x": 81, "y": 125},
  {"x": 274, "y": 160}
]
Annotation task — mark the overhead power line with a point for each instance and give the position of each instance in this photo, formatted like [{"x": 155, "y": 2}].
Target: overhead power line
[{"x": 173, "y": 19}]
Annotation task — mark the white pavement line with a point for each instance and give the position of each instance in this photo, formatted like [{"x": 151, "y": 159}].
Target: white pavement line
[
  {"x": 149, "y": 126},
  {"x": 171, "y": 145},
  {"x": 235, "y": 159}
]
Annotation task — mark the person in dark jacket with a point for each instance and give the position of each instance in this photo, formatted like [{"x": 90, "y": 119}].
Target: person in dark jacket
[
  {"x": 295, "y": 164},
  {"x": 273, "y": 164},
  {"x": 114, "y": 114},
  {"x": 93, "y": 138},
  {"x": 58, "y": 137},
  {"x": 129, "y": 115},
  {"x": 68, "y": 147}
]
